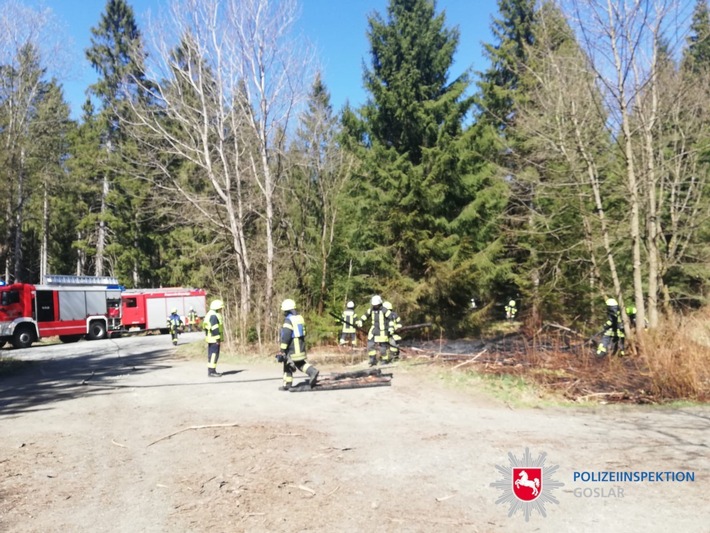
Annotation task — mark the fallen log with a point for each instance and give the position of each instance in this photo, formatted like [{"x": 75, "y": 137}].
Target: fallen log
[{"x": 372, "y": 377}]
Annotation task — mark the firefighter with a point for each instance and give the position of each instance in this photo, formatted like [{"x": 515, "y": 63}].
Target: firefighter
[
  {"x": 394, "y": 324},
  {"x": 377, "y": 337},
  {"x": 293, "y": 347},
  {"x": 631, "y": 313},
  {"x": 214, "y": 335},
  {"x": 191, "y": 319},
  {"x": 511, "y": 310},
  {"x": 348, "y": 333},
  {"x": 175, "y": 324},
  {"x": 613, "y": 333}
]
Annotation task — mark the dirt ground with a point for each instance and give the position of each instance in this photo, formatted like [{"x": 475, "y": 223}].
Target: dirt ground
[{"x": 115, "y": 442}]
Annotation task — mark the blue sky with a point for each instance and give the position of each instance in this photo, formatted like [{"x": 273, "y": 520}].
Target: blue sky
[{"x": 337, "y": 28}]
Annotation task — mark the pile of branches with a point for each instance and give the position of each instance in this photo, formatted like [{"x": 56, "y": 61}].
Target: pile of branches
[{"x": 558, "y": 359}]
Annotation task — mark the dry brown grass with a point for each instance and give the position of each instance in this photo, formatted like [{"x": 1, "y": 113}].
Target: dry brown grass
[
  {"x": 671, "y": 362},
  {"x": 677, "y": 355}
]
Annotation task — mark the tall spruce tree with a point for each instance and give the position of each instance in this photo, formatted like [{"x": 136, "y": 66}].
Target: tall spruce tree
[
  {"x": 696, "y": 56},
  {"x": 21, "y": 84},
  {"x": 122, "y": 239},
  {"x": 50, "y": 207},
  {"x": 418, "y": 216},
  {"x": 500, "y": 94}
]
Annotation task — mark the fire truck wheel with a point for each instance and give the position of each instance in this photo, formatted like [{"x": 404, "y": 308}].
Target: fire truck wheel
[
  {"x": 97, "y": 330},
  {"x": 23, "y": 337}
]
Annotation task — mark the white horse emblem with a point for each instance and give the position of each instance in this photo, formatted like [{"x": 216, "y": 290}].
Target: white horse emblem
[{"x": 523, "y": 481}]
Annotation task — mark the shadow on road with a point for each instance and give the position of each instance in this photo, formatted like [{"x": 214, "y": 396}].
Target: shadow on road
[{"x": 39, "y": 385}]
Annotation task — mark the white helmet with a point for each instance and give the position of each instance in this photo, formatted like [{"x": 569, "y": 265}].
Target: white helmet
[
  {"x": 350, "y": 305},
  {"x": 216, "y": 305},
  {"x": 288, "y": 305},
  {"x": 376, "y": 300}
]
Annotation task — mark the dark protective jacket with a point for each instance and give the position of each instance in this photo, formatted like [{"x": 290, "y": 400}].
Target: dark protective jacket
[
  {"x": 214, "y": 327},
  {"x": 293, "y": 336},
  {"x": 380, "y": 318},
  {"x": 348, "y": 318}
]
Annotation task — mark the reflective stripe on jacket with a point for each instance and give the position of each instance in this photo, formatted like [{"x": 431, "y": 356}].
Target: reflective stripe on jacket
[
  {"x": 213, "y": 326},
  {"x": 378, "y": 330},
  {"x": 293, "y": 337},
  {"x": 174, "y": 321},
  {"x": 348, "y": 321}
]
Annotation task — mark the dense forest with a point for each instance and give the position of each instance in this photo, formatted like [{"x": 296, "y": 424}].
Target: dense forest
[{"x": 574, "y": 169}]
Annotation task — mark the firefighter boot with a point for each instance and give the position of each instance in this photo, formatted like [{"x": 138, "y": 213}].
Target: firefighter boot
[
  {"x": 212, "y": 373},
  {"x": 373, "y": 360},
  {"x": 313, "y": 374},
  {"x": 285, "y": 387}
]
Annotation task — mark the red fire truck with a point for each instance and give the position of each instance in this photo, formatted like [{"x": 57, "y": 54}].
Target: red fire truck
[
  {"x": 148, "y": 309},
  {"x": 71, "y": 307}
]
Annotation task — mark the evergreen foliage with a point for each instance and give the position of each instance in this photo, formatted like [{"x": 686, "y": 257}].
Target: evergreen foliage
[
  {"x": 425, "y": 204},
  {"x": 427, "y": 194}
]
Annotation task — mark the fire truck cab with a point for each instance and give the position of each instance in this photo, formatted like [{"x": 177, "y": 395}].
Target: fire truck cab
[{"x": 70, "y": 307}]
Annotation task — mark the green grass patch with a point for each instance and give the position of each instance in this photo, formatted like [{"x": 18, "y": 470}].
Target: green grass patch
[
  {"x": 513, "y": 390},
  {"x": 229, "y": 353}
]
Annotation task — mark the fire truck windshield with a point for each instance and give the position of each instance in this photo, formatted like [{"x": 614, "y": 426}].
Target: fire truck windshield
[{"x": 9, "y": 297}]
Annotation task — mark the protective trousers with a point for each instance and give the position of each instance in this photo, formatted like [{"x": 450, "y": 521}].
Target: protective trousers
[
  {"x": 613, "y": 339},
  {"x": 373, "y": 347},
  {"x": 291, "y": 366},
  {"x": 212, "y": 357}
]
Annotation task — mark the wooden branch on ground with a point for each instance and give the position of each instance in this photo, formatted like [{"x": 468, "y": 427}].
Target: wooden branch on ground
[
  {"x": 558, "y": 326},
  {"x": 207, "y": 426},
  {"x": 471, "y": 360}
]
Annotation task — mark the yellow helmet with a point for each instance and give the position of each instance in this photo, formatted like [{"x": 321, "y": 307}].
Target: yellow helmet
[
  {"x": 174, "y": 310},
  {"x": 612, "y": 303},
  {"x": 216, "y": 305},
  {"x": 511, "y": 303},
  {"x": 387, "y": 305},
  {"x": 288, "y": 305}
]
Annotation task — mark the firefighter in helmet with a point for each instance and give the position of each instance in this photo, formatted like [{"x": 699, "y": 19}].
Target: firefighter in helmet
[
  {"x": 511, "y": 310},
  {"x": 174, "y": 324},
  {"x": 613, "y": 334},
  {"x": 631, "y": 312},
  {"x": 191, "y": 319},
  {"x": 214, "y": 335},
  {"x": 293, "y": 347},
  {"x": 394, "y": 324},
  {"x": 348, "y": 333},
  {"x": 378, "y": 336}
]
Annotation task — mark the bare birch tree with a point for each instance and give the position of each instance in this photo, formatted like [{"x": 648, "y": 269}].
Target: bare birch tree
[
  {"x": 562, "y": 118},
  {"x": 222, "y": 98},
  {"x": 29, "y": 51},
  {"x": 622, "y": 40}
]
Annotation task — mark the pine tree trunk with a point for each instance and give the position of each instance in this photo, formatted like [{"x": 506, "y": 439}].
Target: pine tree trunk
[
  {"x": 44, "y": 255},
  {"x": 19, "y": 216},
  {"x": 101, "y": 238}
]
